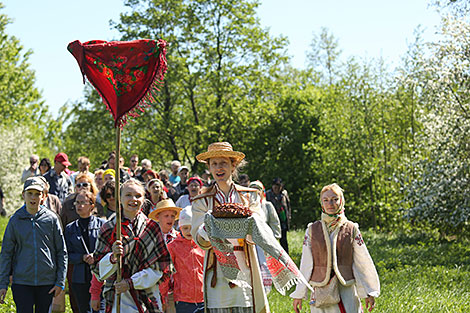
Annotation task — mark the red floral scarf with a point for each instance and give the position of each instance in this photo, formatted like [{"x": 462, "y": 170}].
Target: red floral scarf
[{"x": 127, "y": 74}]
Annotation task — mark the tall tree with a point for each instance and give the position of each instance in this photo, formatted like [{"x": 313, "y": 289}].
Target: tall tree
[
  {"x": 437, "y": 194},
  {"x": 16, "y": 148},
  {"x": 20, "y": 100},
  {"x": 221, "y": 65},
  {"x": 324, "y": 55}
]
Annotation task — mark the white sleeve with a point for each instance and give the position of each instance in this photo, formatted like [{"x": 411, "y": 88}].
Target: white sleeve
[
  {"x": 273, "y": 219},
  {"x": 146, "y": 278},
  {"x": 25, "y": 175},
  {"x": 367, "y": 279},
  {"x": 306, "y": 266},
  {"x": 255, "y": 203},
  {"x": 179, "y": 202},
  {"x": 199, "y": 210},
  {"x": 106, "y": 267}
]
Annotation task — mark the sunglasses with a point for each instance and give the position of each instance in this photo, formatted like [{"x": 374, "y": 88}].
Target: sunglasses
[
  {"x": 81, "y": 203},
  {"x": 108, "y": 195},
  {"x": 80, "y": 185}
]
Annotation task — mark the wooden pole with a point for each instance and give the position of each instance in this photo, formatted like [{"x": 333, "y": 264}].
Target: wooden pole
[{"x": 118, "y": 209}]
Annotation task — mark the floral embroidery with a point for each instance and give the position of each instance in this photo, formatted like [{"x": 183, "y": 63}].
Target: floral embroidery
[
  {"x": 306, "y": 241},
  {"x": 359, "y": 240},
  {"x": 127, "y": 74}
]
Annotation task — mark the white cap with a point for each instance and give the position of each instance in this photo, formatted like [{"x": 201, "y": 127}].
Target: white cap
[
  {"x": 184, "y": 167},
  {"x": 185, "y": 216}
]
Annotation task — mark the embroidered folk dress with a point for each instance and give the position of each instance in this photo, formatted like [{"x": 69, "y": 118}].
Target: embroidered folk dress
[
  {"x": 222, "y": 297},
  {"x": 365, "y": 283}
]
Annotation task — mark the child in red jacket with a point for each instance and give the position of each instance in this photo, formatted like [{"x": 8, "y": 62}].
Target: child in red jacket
[{"x": 188, "y": 259}]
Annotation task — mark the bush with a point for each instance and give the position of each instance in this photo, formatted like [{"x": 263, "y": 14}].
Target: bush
[{"x": 16, "y": 149}]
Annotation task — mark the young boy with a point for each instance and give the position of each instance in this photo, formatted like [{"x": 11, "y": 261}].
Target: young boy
[
  {"x": 188, "y": 259},
  {"x": 166, "y": 213},
  {"x": 34, "y": 252}
]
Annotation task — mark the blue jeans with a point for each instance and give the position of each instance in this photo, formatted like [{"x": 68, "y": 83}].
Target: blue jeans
[
  {"x": 186, "y": 307},
  {"x": 26, "y": 297}
]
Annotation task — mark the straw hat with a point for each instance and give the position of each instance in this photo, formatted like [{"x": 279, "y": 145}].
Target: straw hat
[
  {"x": 220, "y": 150},
  {"x": 164, "y": 205}
]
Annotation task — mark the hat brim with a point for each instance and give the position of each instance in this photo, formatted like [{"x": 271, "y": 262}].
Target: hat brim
[
  {"x": 65, "y": 163},
  {"x": 153, "y": 214},
  {"x": 34, "y": 187},
  {"x": 203, "y": 157}
]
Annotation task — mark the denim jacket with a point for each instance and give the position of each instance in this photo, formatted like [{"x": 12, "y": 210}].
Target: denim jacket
[
  {"x": 76, "y": 246},
  {"x": 33, "y": 250}
]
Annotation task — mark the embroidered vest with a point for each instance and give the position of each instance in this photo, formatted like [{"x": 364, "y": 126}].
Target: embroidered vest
[{"x": 323, "y": 254}]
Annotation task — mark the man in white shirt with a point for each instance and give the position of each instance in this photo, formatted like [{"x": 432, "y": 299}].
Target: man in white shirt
[{"x": 32, "y": 170}]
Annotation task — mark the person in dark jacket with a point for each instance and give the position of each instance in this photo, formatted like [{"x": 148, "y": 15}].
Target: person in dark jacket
[
  {"x": 33, "y": 252},
  {"x": 279, "y": 197},
  {"x": 80, "y": 236},
  {"x": 60, "y": 183}
]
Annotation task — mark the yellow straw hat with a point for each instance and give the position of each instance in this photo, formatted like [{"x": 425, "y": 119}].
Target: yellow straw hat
[
  {"x": 164, "y": 205},
  {"x": 220, "y": 150}
]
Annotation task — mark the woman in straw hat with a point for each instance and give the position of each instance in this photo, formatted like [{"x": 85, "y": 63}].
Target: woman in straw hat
[
  {"x": 336, "y": 261},
  {"x": 233, "y": 281},
  {"x": 145, "y": 257},
  {"x": 220, "y": 295}
]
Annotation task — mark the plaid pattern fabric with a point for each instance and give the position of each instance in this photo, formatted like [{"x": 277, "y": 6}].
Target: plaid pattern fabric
[
  {"x": 284, "y": 272},
  {"x": 145, "y": 248}
]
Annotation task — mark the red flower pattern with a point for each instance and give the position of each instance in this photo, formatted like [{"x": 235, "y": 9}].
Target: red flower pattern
[{"x": 124, "y": 73}]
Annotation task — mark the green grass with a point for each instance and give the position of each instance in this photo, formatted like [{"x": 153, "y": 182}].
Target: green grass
[{"x": 418, "y": 273}]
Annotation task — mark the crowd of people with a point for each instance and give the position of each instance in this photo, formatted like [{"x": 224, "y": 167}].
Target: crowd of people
[{"x": 174, "y": 255}]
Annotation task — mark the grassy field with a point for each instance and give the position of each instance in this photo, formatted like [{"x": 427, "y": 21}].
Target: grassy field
[{"x": 418, "y": 273}]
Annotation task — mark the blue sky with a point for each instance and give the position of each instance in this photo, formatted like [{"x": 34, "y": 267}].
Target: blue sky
[{"x": 365, "y": 28}]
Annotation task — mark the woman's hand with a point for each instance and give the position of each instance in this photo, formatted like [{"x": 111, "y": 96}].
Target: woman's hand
[
  {"x": 370, "y": 303},
  {"x": 56, "y": 290},
  {"x": 297, "y": 305},
  {"x": 95, "y": 305},
  {"x": 88, "y": 258},
  {"x": 118, "y": 249},
  {"x": 121, "y": 287}
]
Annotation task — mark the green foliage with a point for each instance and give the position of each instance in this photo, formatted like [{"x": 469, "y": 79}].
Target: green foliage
[
  {"x": 323, "y": 56},
  {"x": 394, "y": 139},
  {"x": 26, "y": 126},
  {"x": 221, "y": 67},
  {"x": 278, "y": 144},
  {"x": 90, "y": 130},
  {"x": 20, "y": 101}
]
